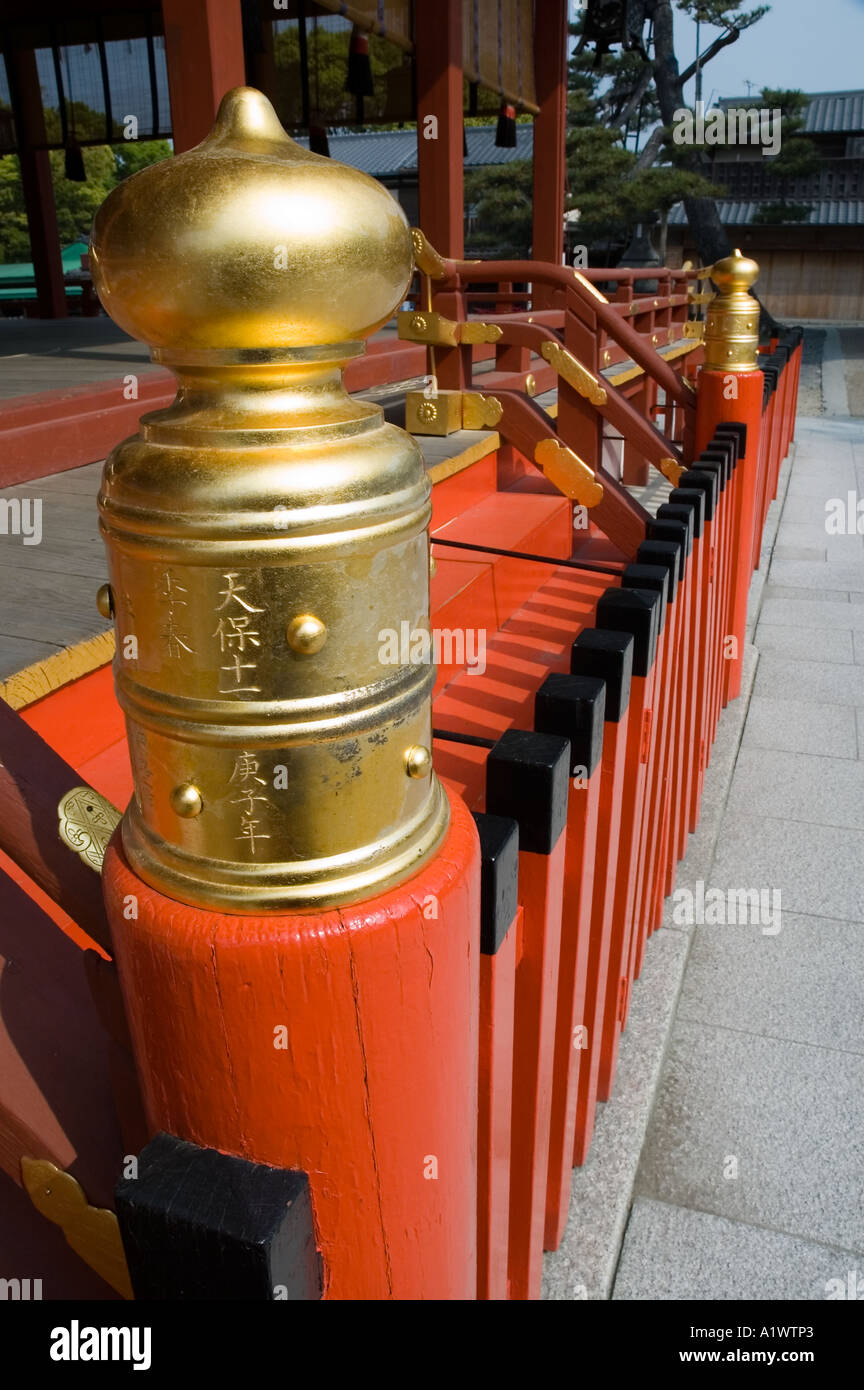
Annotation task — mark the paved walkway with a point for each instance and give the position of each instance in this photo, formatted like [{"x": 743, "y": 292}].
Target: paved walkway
[{"x": 751, "y": 1177}]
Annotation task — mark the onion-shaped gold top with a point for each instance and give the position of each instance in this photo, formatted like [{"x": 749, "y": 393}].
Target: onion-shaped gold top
[
  {"x": 735, "y": 274},
  {"x": 249, "y": 241}
]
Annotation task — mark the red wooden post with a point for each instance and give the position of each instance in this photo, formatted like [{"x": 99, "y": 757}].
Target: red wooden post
[
  {"x": 715, "y": 405},
  {"x": 608, "y": 655},
  {"x": 342, "y": 1043},
  {"x": 527, "y": 779},
  {"x": 500, "y": 931},
  {"x": 438, "y": 50},
  {"x": 550, "y": 128},
  {"x": 204, "y": 55},
  {"x": 36, "y": 183},
  {"x": 572, "y": 706},
  {"x": 637, "y": 612},
  {"x": 667, "y": 555}
]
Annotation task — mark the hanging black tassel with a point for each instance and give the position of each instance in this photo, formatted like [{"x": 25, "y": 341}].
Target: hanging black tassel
[
  {"x": 464, "y": 144},
  {"x": 74, "y": 163},
  {"x": 505, "y": 133},
  {"x": 359, "y": 80},
  {"x": 318, "y": 142}
]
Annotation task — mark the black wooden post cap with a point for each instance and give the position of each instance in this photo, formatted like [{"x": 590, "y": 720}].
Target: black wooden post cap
[
  {"x": 199, "y": 1224},
  {"x": 635, "y": 611},
  {"x": 675, "y": 532},
  {"x": 527, "y": 778},
  {"x": 733, "y": 429},
  {"x": 656, "y": 577},
  {"x": 691, "y": 498},
  {"x": 664, "y": 553},
  {"x": 608, "y": 655},
  {"x": 499, "y": 878},
  {"x": 720, "y": 454},
  {"x": 708, "y": 465},
  {"x": 706, "y": 483},
  {"x": 573, "y": 707},
  {"x": 675, "y": 512}
]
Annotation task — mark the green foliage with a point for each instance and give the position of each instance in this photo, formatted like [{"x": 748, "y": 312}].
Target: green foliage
[
  {"x": 501, "y": 203},
  {"x": 798, "y": 154},
  {"x": 722, "y": 14},
  {"x": 77, "y": 203},
  {"x": 775, "y": 214},
  {"x": 134, "y": 155},
  {"x": 330, "y": 104}
]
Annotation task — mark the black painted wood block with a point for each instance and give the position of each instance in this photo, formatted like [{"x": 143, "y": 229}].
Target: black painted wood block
[
  {"x": 199, "y": 1224},
  {"x": 575, "y": 708},
  {"x": 673, "y": 533},
  {"x": 692, "y": 498},
  {"x": 499, "y": 878},
  {"x": 667, "y": 554},
  {"x": 701, "y": 480},
  {"x": 608, "y": 656},
  {"x": 635, "y": 611},
  {"x": 527, "y": 778}
]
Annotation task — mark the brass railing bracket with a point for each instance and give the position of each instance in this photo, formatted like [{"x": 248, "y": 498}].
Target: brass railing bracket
[
  {"x": 568, "y": 472},
  {"x": 573, "y": 372},
  {"x": 480, "y": 412},
  {"x": 425, "y": 326},
  {"x": 671, "y": 469}
]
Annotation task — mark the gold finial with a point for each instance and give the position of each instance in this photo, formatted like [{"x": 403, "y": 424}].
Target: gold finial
[
  {"x": 732, "y": 320},
  {"x": 249, "y": 241},
  {"x": 267, "y": 534}
]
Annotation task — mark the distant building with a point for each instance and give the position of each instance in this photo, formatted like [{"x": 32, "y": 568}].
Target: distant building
[
  {"x": 391, "y": 157},
  {"x": 813, "y": 268}
]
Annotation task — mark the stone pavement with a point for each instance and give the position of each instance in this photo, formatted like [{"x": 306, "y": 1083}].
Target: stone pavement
[{"x": 749, "y": 1182}]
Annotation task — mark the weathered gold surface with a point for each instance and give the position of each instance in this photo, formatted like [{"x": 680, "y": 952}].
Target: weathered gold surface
[
  {"x": 573, "y": 372},
  {"x": 92, "y": 1232},
  {"x": 732, "y": 319},
  {"x": 105, "y": 601},
  {"x": 426, "y": 257},
  {"x": 570, "y": 474},
  {"x": 694, "y": 328},
  {"x": 425, "y": 326},
  {"x": 265, "y": 494},
  {"x": 671, "y": 470},
  {"x": 476, "y": 331},
  {"x": 439, "y": 414},
  {"x": 480, "y": 412},
  {"x": 87, "y": 822}
]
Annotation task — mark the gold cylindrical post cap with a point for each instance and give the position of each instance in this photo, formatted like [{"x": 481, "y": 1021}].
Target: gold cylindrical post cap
[
  {"x": 267, "y": 534},
  {"x": 732, "y": 321}
]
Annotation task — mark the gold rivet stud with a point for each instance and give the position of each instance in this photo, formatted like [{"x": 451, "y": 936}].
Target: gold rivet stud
[
  {"x": 418, "y": 761},
  {"x": 186, "y": 801},
  {"x": 530, "y": 385},
  {"x": 306, "y": 634},
  {"x": 105, "y": 601}
]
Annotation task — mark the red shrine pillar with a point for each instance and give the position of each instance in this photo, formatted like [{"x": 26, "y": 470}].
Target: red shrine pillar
[
  {"x": 550, "y": 128},
  {"x": 438, "y": 50},
  {"x": 204, "y": 52},
  {"x": 36, "y": 184}
]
